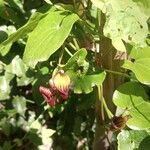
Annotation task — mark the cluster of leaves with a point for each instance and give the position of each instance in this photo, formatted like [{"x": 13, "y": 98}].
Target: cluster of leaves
[
  {"x": 33, "y": 34},
  {"x": 25, "y": 119}
]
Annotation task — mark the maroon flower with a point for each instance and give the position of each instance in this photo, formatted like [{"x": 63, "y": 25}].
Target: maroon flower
[
  {"x": 118, "y": 122},
  {"x": 61, "y": 83},
  {"x": 48, "y": 96}
]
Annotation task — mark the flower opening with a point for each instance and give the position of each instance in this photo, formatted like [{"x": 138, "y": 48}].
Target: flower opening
[
  {"x": 48, "y": 96},
  {"x": 61, "y": 82}
]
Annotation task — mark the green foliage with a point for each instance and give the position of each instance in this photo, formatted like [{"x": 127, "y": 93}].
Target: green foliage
[
  {"x": 123, "y": 23},
  {"x": 144, "y": 5},
  {"x": 39, "y": 38},
  {"x": 43, "y": 41},
  {"x": 19, "y": 103},
  {"x": 131, "y": 140},
  {"x": 132, "y": 97},
  {"x": 5, "y": 86},
  {"x": 141, "y": 64},
  {"x": 77, "y": 67}
]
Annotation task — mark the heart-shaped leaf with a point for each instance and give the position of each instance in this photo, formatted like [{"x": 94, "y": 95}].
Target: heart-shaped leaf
[
  {"x": 19, "y": 104},
  {"x": 131, "y": 96},
  {"x": 131, "y": 140},
  {"x": 123, "y": 22},
  {"x": 48, "y": 36},
  {"x": 141, "y": 64},
  {"x": 85, "y": 83},
  {"x": 77, "y": 70}
]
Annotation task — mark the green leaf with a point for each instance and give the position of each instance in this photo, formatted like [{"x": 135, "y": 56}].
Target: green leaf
[
  {"x": 85, "y": 83},
  {"x": 5, "y": 49},
  {"x": 16, "y": 67},
  {"x": 144, "y": 5},
  {"x": 77, "y": 58},
  {"x": 46, "y": 137},
  {"x": 48, "y": 36},
  {"x": 19, "y": 103},
  {"x": 3, "y": 35},
  {"x": 5, "y": 126},
  {"x": 2, "y": 66},
  {"x": 124, "y": 141},
  {"x": 145, "y": 144},
  {"x": 124, "y": 22},
  {"x": 41, "y": 80},
  {"x": 131, "y": 96},
  {"x": 1, "y": 6},
  {"x": 141, "y": 65},
  {"x": 48, "y": 1},
  {"x": 131, "y": 140},
  {"x": 44, "y": 133},
  {"x": 140, "y": 53},
  {"x": 24, "y": 80},
  {"x": 21, "y": 32},
  {"x": 7, "y": 145},
  {"x": 99, "y": 4},
  {"x": 4, "y": 86},
  {"x": 77, "y": 69},
  {"x": 5, "y": 31}
]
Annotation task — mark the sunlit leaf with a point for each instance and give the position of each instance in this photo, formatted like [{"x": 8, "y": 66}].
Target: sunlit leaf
[
  {"x": 85, "y": 83},
  {"x": 144, "y": 5},
  {"x": 1, "y": 6},
  {"x": 77, "y": 58},
  {"x": 99, "y": 4},
  {"x": 141, "y": 64},
  {"x": 21, "y": 32},
  {"x": 131, "y": 140},
  {"x": 5, "y": 87},
  {"x": 16, "y": 67},
  {"x": 124, "y": 22},
  {"x": 44, "y": 135},
  {"x": 19, "y": 104},
  {"x": 131, "y": 96},
  {"x": 48, "y": 1},
  {"x": 24, "y": 80},
  {"x": 48, "y": 36},
  {"x": 5, "y": 31},
  {"x": 77, "y": 69}
]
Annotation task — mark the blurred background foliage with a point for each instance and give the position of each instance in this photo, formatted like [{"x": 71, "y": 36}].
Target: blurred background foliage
[{"x": 26, "y": 122}]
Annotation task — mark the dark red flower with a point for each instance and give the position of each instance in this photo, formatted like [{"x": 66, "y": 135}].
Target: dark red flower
[
  {"x": 59, "y": 86},
  {"x": 118, "y": 122},
  {"x": 48, "y": 96},
  {"x": 61, "y": 83}
]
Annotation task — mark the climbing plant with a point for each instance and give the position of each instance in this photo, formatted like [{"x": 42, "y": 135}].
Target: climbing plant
[{"x": 74, "y": 74}]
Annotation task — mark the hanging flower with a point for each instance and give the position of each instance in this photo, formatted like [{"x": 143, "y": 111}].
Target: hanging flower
[
  {"x": 118, "y": 122},
  {"x": 48, "y": 96},
  {"x": 61, "y": 83}
]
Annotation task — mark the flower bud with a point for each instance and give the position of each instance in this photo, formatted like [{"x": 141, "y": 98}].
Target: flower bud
[
  {"x": 118, "y": 123},
  {"x": 61, "y": 81},
  {"x": 48, "y": 96}
]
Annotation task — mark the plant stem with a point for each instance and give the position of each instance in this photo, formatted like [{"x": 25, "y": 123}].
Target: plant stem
[
  {"x": 61, "y": 55},
  {"x": 72, "y": 46},
  {"x": 98, "y": 21},
  {"x": 103, "y": 103},
  {"x": 100, "y": 97},
  {"x": 76, "y": 43},
  {"x": 66, "y": 49},
  {"x": 117, "y": 73}
]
